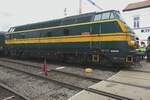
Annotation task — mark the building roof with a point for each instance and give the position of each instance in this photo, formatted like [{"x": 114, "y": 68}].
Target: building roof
[{"x": 138, "y": 5}]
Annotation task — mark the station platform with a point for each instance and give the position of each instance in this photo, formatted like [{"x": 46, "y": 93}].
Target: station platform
[{"x": 133, "y": 84}]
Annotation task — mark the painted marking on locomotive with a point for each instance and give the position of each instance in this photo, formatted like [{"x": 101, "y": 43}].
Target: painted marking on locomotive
[{"x": 80, "y": 38}]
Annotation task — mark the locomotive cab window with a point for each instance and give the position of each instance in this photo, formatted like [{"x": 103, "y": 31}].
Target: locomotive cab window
[
  {"x": 118, "y": 16},
  {"x": 98, "y": 17},
  {"x": 105, "y": 16},
  {"x": 112, "y": 16}
]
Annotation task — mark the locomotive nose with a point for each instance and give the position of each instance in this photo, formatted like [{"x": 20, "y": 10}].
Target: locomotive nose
[{"x": 133, "y": 44}]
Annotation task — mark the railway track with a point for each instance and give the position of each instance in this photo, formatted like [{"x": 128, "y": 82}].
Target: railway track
[
  {"x": 53, "y": 70},
  {"x": 7, "y": 93},
  {"x": 70, "y": 85},
  {"x": 56, "y": 76},
  {"x": 77, "y": 75},
  {"x": 79, "y": 88},
  {"x": 62, "y": 83}
]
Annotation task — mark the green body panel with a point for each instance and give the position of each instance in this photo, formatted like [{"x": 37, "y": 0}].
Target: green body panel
[
  {"x": 93, "y": 28},
  {"x": 114, "y": 45},
  {"x": 82, "y": 18},
  {"x": 64, "y": 21}
]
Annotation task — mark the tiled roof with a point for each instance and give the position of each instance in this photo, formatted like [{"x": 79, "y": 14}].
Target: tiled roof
[{"x": 138, "y": 5}]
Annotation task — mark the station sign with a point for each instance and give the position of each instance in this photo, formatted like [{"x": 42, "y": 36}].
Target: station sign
[{"x": 146, "y": 30}]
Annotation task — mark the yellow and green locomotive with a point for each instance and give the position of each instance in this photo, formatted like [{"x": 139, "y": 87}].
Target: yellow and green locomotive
[{"x": 96, "y": 38}]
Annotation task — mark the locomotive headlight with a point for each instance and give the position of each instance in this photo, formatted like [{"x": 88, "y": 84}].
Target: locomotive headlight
[{"x": 132, "y": 43}]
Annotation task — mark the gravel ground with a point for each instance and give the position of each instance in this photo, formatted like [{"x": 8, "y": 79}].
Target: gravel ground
[
  {"x": 34, "y": 88},
  {"x": 84, "y": 83},
  {"x": 143, "y": 65},
  {"x": 37, "y": 89},
  {"x": 99, "y": 72},
  {"x": 71, "y": 79},
  {"x": 5, "y": 94}
]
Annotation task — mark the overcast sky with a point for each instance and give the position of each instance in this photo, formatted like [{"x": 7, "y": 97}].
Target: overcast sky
[{"x": 18, "y": 12}]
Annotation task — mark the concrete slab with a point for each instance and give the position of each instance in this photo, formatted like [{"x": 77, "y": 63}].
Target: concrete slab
[
  {"x": 144, "y": 66},
  {"x": 132, "y": 77},
  {"x": 133, "y": 74},
  {"x": 132, "y": 92},
  {"x": 85, "y": 95}
]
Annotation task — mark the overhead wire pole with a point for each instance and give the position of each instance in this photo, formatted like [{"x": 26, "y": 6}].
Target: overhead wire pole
[{"x": 65, "y": 12}]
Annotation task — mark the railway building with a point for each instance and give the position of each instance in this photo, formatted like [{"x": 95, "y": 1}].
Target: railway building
[{"x": 137, "y": 17}]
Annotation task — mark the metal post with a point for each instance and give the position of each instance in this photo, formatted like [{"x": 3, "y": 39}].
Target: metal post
[
  {"x": 80, "y": 7},
  {"x": 65, "y": 12}
]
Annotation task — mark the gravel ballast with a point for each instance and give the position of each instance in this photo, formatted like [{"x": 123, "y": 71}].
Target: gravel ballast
[{"x": 35, "y": 89}]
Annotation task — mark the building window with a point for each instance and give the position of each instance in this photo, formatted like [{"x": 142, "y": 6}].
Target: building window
[{"x": 136, "y": 22}]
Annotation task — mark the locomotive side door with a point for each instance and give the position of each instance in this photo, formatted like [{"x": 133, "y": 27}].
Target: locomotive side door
[
  {"x": 96, "y": 30},
  {"x": 96, "y": 39},
  {"x": 96, "y": 42}
]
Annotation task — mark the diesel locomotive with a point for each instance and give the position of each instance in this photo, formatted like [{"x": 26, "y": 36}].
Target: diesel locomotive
[{"x": 91, "y": 38}]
